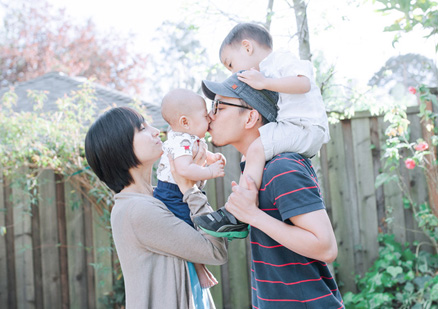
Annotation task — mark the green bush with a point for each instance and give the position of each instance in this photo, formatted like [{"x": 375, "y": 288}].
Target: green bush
[{"x": 399, "y": 278}]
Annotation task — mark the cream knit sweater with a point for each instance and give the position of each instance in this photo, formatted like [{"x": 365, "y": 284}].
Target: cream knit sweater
[{"x": 153, "y": 246}]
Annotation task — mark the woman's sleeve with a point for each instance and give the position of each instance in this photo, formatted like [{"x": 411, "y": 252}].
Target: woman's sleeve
[{"x": 161, "y": 232}]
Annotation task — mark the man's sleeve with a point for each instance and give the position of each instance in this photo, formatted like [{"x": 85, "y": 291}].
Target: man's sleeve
[{"x": 293, "y": 189}]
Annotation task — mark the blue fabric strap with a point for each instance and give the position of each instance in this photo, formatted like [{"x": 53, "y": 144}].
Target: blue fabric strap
[{"x": 200, "y": 296}]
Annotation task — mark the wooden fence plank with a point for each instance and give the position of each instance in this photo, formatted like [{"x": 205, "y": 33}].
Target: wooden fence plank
[
  {"x": 10, "y": 246},
  {"x": 377, "y": 153},
  {"x": 62, "y": 236},
  {"x": 36, "y": 245},
  {"x": 366, "y": 198},
  {"x": 49, "y": 240},
  {"x": 237, "y": 266},
  {"x": 341, "y": 217},
  {"x": 350, "y": 166},
  {"x": 216, "y": 291},
  {"x": 23, "y": 246},
  {"x": 103, "y": 259},
  {"x": 89, "y": 253},
  {"x": 76, "y": 250},
  {"x": 3, "y": 247},
  {"x": 320, "y": 165}
]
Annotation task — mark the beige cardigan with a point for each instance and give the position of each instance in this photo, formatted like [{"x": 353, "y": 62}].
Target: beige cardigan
[{"x": 153, "y": 246}]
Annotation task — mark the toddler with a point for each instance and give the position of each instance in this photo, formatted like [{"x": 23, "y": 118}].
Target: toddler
[{"x": 186, "y": 113}]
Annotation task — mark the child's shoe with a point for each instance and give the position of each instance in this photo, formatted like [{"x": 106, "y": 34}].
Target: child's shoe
[{"x": 221, "y": 223}]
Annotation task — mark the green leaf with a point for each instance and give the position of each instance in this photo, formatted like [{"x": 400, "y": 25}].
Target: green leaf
[
  {"x": 421, "y": 281},
  {"x": 434, "y": 292},
  {"x": 384, "y": 178}
]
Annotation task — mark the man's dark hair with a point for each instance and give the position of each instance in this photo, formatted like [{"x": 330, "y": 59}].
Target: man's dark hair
[
  {"x": 241, "y": 110},
  {"x": 244, "y": 31},
  {"x": 109, "y": 146}
]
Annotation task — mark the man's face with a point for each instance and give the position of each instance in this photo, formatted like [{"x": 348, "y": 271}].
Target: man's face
[{"x": 227, "y": 125}]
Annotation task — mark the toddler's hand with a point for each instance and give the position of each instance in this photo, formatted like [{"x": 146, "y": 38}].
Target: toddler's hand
[
  {"x": 216, "y": 169},
  {"x": 253, "y": 78}
]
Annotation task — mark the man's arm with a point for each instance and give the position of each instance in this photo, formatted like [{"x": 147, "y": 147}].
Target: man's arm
[{"x": 311, "y": 235}]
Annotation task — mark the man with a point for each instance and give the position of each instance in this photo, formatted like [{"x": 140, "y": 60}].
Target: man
[{"x": 292, "y": 239}]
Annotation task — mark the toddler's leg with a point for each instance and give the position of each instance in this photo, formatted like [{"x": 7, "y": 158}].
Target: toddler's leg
[
  {"x": 206, "y": 278},
  {"x": 255, "y": 163}
]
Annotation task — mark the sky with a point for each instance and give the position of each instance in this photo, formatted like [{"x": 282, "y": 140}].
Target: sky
[{"x": 350, "y": 33}]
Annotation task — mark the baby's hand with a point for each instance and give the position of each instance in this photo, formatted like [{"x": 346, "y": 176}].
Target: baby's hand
[
  {"x": 216, "y": 169},
  {"x": 253, "y": 78},
  {"x": 220, "y": 157}
]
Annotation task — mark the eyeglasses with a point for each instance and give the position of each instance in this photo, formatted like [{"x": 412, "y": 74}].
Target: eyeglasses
[{"x": 215, "y": 104}]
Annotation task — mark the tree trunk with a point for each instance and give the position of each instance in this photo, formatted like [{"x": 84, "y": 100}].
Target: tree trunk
[
  {"x": 269, "y": 15},
  {"x": 302, "y": 29}
]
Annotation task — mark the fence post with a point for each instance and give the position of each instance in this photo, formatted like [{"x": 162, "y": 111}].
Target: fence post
[
  {"x": 8, "y": 296},
  {"x": 62, "y": 236}
]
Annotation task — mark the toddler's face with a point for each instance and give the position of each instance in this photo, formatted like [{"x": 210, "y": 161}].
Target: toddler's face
[{"x": 236, "y": 58}]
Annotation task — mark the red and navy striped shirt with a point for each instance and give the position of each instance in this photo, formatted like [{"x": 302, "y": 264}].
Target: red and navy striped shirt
[{"x": 281, "y": 278}]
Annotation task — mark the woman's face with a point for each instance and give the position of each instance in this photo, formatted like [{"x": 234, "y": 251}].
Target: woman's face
[{"x": 147, "y": 144}]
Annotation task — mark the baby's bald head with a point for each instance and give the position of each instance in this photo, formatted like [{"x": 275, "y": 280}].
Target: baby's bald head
[{"x": 180, "y": 102}]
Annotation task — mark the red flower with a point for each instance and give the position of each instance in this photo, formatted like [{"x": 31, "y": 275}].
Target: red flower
[
  {"x": 421, "y": 146},
  {"x": 412, "y": 90},
  {"x": 410, "y": 164}
]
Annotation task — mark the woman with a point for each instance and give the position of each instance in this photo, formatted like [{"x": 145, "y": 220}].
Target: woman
[{"x": 152, "y": 244}]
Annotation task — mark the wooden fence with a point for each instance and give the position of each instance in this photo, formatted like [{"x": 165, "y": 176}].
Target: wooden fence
[
  {"x": 348, "y": 166},
  {"x": 55, "y": 253}
]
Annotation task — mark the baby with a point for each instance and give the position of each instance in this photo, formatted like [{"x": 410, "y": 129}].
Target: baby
[{"x": 186, "y": 113}]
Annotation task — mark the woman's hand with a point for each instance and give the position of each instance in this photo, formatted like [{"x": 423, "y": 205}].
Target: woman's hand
[{"x": 183, "y": 183}]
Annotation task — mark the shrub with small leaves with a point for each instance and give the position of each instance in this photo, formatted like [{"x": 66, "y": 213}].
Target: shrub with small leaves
[{"x": 399, "y": 278}]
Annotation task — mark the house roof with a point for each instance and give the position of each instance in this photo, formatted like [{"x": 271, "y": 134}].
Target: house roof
[{"x": 58, "y": 84}]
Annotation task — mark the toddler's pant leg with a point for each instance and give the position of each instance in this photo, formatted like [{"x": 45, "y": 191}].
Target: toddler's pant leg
[{"x": 297, "y": 136}]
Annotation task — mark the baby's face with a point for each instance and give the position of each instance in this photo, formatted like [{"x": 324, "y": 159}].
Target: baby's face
[
  {"x": 236, "y": 58},
  {"x": 199, "y": 119}
]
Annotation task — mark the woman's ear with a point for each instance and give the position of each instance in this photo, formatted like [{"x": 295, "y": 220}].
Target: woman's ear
[
  {"x": 184, "y": 122},
  {"x": 253, "y": 117},
  {"x": 248, "y": 46}
]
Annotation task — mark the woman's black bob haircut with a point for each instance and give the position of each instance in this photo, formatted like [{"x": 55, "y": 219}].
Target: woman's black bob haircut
[{"x": 109, "y": 146}]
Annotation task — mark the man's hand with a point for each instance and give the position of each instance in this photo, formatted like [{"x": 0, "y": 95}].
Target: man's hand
[
  {"x": 242, "y": 203},
  {"x": 253, "y": 78}
]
